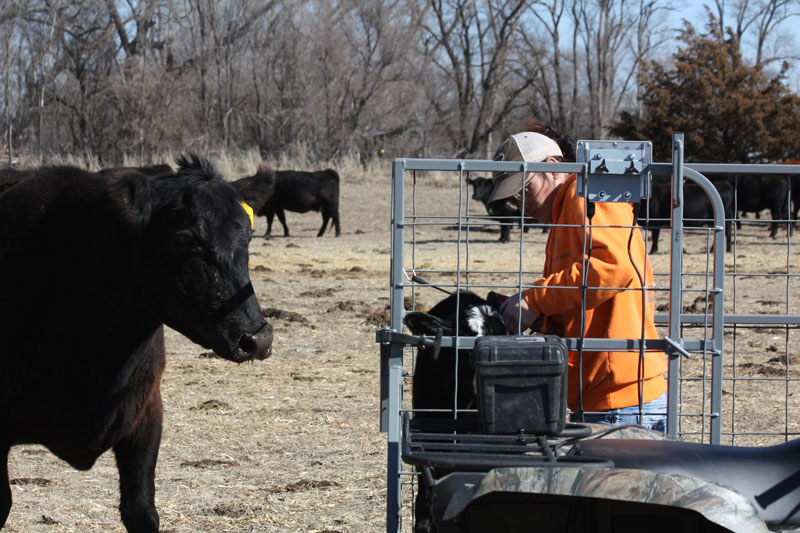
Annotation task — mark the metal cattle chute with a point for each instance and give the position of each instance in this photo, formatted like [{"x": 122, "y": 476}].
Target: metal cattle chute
[{"x": 722, "y": 398}]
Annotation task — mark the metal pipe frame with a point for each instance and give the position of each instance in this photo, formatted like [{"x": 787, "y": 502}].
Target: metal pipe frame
[{"x": 393, "y": 373}]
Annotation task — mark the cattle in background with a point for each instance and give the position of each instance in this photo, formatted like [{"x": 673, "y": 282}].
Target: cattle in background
[
  {"x": 440, "y": 376},
  {"x": 755, "y": 193},
  {"x": 697, "y": 209},
  {"x": 257, "y": 189},
  {"x": 481, "y": 191},
  {"x": 301, "y": 191},
  {"x": 122, "y": 256},
  {"x": 150, "y": 170},
  {"x": 794, "y": 183}
]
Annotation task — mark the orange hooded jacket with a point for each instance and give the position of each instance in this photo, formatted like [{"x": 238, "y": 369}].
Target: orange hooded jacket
[{"x": 610, "y": 379}]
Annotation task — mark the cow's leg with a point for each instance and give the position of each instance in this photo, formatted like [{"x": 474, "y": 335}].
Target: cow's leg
[
  {"x": 505, "y": 233},
  {"x": 270, "y": 216},
  {"x": 282, "y": 218},
  {"x": 136, "y": 457},
  {"x": 728, "y": 236},
  {"x": 5, "y": 487},
  {"x": 325, "y": 218},
  {"x": 773, "y": 227},
  {"x": 654, "y": 236},
  {"x": 335, "y": 217}
]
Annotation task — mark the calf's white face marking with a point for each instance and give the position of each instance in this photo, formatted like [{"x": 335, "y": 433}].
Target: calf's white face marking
[{"x": 476, "y": 318}]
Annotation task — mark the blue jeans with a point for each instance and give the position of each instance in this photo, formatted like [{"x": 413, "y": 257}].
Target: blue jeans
[{"x": 654, "y": 417}]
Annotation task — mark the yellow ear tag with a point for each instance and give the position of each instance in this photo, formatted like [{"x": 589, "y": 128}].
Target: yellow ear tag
[{"x": 249, "y": 211}]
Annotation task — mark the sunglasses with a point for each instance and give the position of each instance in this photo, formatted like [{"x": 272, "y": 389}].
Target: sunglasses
[{"x": 516, "y": 202}]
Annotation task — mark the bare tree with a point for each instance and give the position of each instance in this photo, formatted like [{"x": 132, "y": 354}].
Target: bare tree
[
  {"x": 759, "y": 18},
  {"x": 651, "y": 35},
  {"x": 603, "y": 27},
  {"x": 326, "y": 77},
  {"x": 615, "y": 36},
  {"x": 470, "y": 45},
  {"x": 552, "y": 99}
]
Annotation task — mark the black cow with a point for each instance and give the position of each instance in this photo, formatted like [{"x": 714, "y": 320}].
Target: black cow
[
  {"x": 119, "y": 257},
  {"x": 697, "y": 209},
  {"x": 439, "y": 378},
  {"x": 257, "y": 190},
  {"x": 434, "y": 384},
  {"x": 755, "y": 193},
  {"x": 481, "y": 191},
  {"x": 794, "y": 181},
  {"x": 150, "y": 170},
  {"x": 301, "y": 191}
]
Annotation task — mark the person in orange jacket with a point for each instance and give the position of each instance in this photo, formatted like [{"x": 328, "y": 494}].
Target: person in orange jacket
[{"x": 611, "y": 385}]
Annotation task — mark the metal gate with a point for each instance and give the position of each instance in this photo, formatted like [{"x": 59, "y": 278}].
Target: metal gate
[{"x": 441, "y": 236}]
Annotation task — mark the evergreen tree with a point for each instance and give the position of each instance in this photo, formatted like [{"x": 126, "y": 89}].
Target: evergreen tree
[{"x": 728, "y": 111}]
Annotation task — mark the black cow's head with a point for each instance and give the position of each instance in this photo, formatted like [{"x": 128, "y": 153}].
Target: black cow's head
[
  {"x": 192, "y": 236},
  {"x": 481, "y": 189},
  {"x": 257, "y": 190},
  {"x": 464, "y": 311},
  {"x": 444, "y": 375}
]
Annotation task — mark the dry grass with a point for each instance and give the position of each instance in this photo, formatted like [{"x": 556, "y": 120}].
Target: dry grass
[
  {"x": 231, "y": 164},
  {"x": 291, "y": 444}
]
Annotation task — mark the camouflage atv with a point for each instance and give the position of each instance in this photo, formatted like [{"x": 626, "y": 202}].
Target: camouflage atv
[{"x": 597, "y": 479}]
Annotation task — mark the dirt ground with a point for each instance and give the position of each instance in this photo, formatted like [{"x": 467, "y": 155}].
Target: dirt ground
[{"x": 292, "y": 444}]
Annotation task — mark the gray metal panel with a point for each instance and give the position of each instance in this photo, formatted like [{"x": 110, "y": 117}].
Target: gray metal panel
[
  {"x": 676, "y": 268},
  {"x": 487, "y": 165},
  {"x": 734, "y": 168},
  {"x": 734, "y": 319},
  {"x": 717, "y": 294},
  {"x": 390, "y": 418}
]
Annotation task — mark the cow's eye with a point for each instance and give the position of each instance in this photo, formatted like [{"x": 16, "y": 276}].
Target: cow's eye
[{"x": 186, "y": 240}]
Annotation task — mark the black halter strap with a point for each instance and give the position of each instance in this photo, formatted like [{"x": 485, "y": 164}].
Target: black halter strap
[{"x": 238, "y": 298}]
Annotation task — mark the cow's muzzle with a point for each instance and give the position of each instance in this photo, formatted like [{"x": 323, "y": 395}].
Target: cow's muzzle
[{"x": 257, "y": 345}]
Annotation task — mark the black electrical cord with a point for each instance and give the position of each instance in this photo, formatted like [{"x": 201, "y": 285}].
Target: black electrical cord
[
  {"x": 640, "y": 366},
  {"x": 590, "y": 207}
]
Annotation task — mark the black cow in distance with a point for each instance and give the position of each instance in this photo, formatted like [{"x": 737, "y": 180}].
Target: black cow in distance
[
  {"x": 756, "y": 193},
  {"x": 481, "y": 191},
  {"x": 120, "y": 257},
  {"x": 301, "y": 191},
  {"x": 149, "y": 170},
  {"x": 257, "y": 190},
  {"x": 697, "y": 209}
]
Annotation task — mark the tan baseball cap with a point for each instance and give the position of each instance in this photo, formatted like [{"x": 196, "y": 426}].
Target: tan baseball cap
[{"x": 523, "y": 146}]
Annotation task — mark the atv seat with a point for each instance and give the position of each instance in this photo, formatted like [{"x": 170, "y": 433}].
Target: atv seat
[{"x": 768, "y": 476}]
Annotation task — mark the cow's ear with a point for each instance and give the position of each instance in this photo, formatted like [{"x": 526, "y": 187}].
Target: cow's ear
[
  {"x": 130, "y": 194},
  {"x": 426, "y": 324}
]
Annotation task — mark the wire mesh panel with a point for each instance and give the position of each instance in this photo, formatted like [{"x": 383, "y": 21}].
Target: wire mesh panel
[
  {"x": 759, "y": 381},
  {"x": 738, "y": 388}
]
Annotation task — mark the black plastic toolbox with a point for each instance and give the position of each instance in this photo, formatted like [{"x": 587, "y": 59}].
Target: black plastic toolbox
[{"x": 521, "y": 383}]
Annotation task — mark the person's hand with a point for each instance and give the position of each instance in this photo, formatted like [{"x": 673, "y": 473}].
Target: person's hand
[{"x": 514, "y": 308}]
